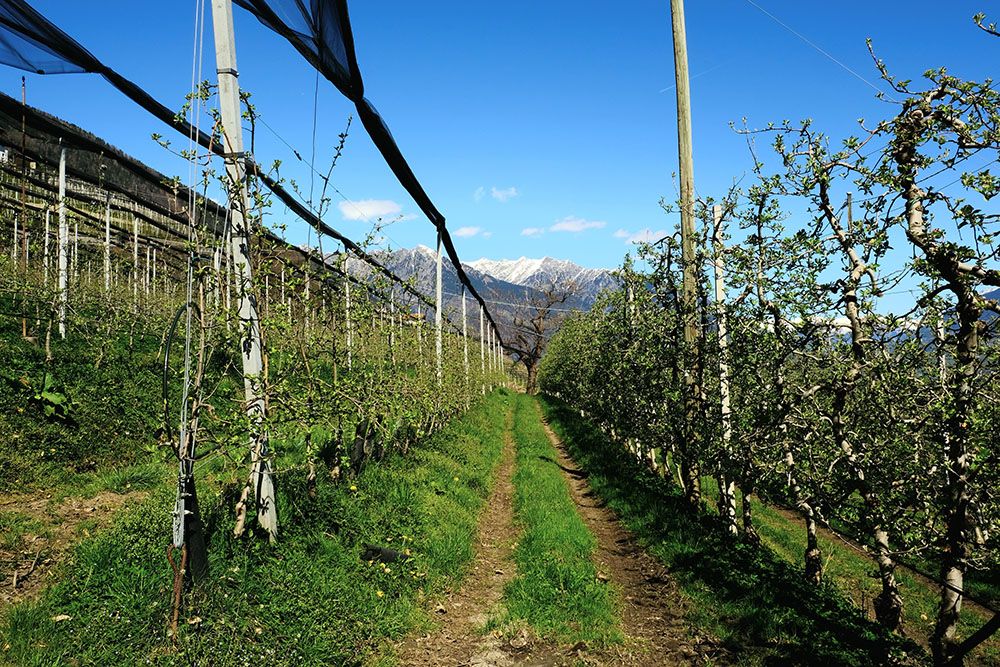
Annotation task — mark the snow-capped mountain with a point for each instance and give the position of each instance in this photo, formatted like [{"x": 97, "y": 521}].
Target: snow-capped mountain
[
  {"x": 508, "y": 286},
  {"x": 548, "y": 272}
]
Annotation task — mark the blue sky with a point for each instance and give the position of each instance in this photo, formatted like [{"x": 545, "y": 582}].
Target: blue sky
[{"x": 538, "y": 128}]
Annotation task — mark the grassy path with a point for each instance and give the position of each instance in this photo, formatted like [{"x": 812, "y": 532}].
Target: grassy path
[
  {"x": 557, "y": 590},
  {"x": 649, "y": 603},
  {"x": 309, "y": 600},
  {"x": 754, "y": 601},
  {"x": 461, "y": 614}
]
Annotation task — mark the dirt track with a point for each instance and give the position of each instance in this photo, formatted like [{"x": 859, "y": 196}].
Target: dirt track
[{"x": 651, "y": 608}]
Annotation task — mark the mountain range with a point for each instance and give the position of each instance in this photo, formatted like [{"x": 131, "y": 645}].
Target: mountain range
[{"x": 508, "y": 286}]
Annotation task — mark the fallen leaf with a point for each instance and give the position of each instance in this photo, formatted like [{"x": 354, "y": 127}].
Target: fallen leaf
[{"x": 61, "y": 617}]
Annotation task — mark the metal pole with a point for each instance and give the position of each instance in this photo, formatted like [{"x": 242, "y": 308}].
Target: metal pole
[{"x": 249, "y": 322}]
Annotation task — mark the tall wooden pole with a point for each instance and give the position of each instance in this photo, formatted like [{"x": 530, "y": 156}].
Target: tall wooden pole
[
  {"x": 261, "y": 478},
  {"x": 437, "y": 315},
  {"x": 690, "y": 295},
  {"x": 63, "y": 246}
]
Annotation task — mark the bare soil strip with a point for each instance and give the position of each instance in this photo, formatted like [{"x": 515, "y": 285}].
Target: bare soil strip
[
  {"x": 651, "y": 605},
  {"x": 27, "y": 563},
  {"x": 459, "y": 640}
]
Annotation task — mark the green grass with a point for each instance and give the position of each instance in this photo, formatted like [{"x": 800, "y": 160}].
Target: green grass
[
  {"x": 854, "y": 574},
  {"x": 556, "y": 589},
  {"x": 309, "y": 600},
  {"x": 15, "y": 525},
  {"x": 757, "y": 603}
]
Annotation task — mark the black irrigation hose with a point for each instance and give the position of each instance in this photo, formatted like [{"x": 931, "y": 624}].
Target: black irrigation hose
[{"x": 166, "y": 369}]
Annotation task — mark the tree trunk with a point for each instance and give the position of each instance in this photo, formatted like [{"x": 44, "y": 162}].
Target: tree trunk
[
  {"x": 749, "y": 532},
  {"x": 813, "y": 555},
  {"x": 888, "y": 603},
  {"x": 727, "y": 505},
  {"x": 956, "y": 441}
]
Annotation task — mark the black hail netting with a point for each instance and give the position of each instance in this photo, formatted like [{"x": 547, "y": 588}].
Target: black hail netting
[
  {"x": 319, "y": 29},
  {"x": 24, "y": 44}
]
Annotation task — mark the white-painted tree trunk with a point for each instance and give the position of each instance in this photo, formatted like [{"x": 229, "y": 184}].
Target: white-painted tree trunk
[{"x": 727, "y": 488}]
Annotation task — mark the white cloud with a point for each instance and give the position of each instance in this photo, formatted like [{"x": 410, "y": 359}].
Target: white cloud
[
  {"x": 642, "y": 236},
  {"x": 487, "y": 235},
  {"x": 468, "y": 231},
  {"x": 574, "y": 224},
  {"x": 503, "y": 195},
  {"x": 479, "y": 193},
  {"x": 532, "y": 231},
  {"x": 367, "y": 209}
]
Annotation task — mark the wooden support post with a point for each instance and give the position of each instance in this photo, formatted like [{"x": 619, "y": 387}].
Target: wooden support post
[
  {"x": 216, "y": 278},
  {"x": 107, "y": 245},
  {"x": 420, "y": 333},
  {"x": 45, "y": 247},
  {"x": 307, "y": 307},
  {"x": 349, "y": 325},
  {"x": 76, "y": 249},
  {"x": 438, "y": 308},
  {"x": 482, "y": 347},
  {"x": 135, "y": 259},
  {"x": 63, "y": 246},
  {"x": 465, "y": 344},
  {"x": 692, "y": 484}
]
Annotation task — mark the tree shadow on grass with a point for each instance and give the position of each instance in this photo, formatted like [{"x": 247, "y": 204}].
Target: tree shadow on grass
[{"x": 760, "y": 606}]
